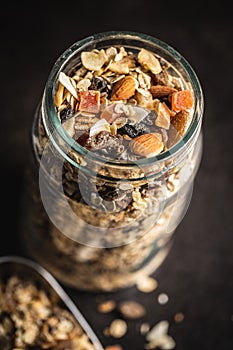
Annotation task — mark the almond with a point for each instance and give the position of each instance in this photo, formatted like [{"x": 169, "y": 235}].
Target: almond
[
  {"x": 124, "y": 88},
  {"x": 147, "y": 145},
  {"x": 159, "y": 91}
]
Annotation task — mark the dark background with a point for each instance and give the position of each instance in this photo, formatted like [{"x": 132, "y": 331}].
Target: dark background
[{"x": 198, "y": 273}]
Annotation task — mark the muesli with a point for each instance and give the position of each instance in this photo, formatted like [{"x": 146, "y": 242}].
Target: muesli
[
  {"x": 30, "y": 318},
  {"x": 123, "y": 106},
  {"x": 120, "y": 106}
]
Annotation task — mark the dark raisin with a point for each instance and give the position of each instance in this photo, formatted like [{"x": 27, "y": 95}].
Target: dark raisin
[
  {"x": 128, "y": 130},
  {"x": 134, "y": 130},
  {"x": 98, "y": 84},
  {"x": 142, "y": 128},
  {"x": 66, "y": 114}
]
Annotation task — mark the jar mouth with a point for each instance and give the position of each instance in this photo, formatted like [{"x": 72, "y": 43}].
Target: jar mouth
[{"x": 54, "y": 123}]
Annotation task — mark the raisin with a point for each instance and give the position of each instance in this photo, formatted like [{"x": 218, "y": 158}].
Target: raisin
[
  {"x": 66, "y": 114},
  {"x": 134, "y": 130},
  {"x": 128, "y": 130},
  {"x": 142, "y": 128},
  {"x": 98, "y": 84}
]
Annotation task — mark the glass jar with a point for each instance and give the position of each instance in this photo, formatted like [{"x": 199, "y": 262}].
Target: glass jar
[{"x": 96, "y": 224}]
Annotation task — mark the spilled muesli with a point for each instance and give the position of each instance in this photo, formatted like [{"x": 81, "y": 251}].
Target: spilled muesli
[
  {"x": 30, "y": 318},
  {"x": 123, "y": 105}
]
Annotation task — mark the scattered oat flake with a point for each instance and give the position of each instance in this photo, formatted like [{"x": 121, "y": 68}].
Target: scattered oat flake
[
  {"x": 144, "y": 328},
  {"x": 118, "y": 328},
  {"x": 106, "y": 306},
  {"x": 163, "y": 298},
  {"x": 66, "y": 82},
  {"x": 131, "y": 309},
  {"x": 179, "y": 317},
  {"x": 59, "y": 95},
  {"x": 158, "y": 337},
  {"x": 146, "y": 284}
]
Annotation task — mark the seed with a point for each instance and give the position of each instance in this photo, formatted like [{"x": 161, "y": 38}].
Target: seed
[
  {"x": 118, "y": 328},
  {"x": 163, "y": 298},
  {"x": 131, "y": 309},
  {"x": 106, "y": 306},
  {"x": 179, "y": 317},
  {"x": 146, "y": 284}
]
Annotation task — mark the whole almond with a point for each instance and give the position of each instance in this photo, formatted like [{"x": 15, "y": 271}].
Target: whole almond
[
  {"x": 159, "y": 91},
  {"x": 124, "y": 88},
  {"x": 147, "y": 145}
]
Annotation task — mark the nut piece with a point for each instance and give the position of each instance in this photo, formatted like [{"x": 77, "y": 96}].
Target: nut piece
[
  {"x": 159, "y": 91},
  {"x": 106, "y": 306},
  {"x": 147, "y": 145},
  {"x": 93, "y": 60},
  {"x": 163, "y": 115},
  {"x": 149, "y": 61},
  {"x": 124, "y": 88},
  {"x": 131, "y": 310},
  {"x": 66, "y": 82},
  {"x": 89, "y": 101},
  {"x": 118, "y": 328}
]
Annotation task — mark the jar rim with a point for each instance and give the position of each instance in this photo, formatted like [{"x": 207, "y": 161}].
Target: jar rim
[{"x": 191, "y": 132}]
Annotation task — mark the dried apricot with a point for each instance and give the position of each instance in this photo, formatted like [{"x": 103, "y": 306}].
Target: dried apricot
[
  {"x": 89, "y": 101},
  {"x": 181, "y": 100}
]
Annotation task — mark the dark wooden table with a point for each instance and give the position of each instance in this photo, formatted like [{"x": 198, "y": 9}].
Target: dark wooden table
[{"x": 198, "y": 273}]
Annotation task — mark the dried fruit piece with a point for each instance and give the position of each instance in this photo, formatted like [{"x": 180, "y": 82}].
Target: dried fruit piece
[
  {"x": 124, "y": 88},
  {"x": 66, "y": 82},
  {"x": 134, "y": 130},
  {"x": 180, "y": 122},
  {"x": 101, "y": 125},
  {"x": 89, "y": 101},
  {"x": 118, "y": 328},
  {"x": 147, "y": 145},
  {"x": 131, "y": 309},
  {"x": 160, "y": 91},
  {"x": 181, "y": 100},
  {"x": 93, "y": 60},
  {"x": 106, "y": 306},
  {"x": 163, "y": 115},
  {"x": 149, "y": 61}
]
